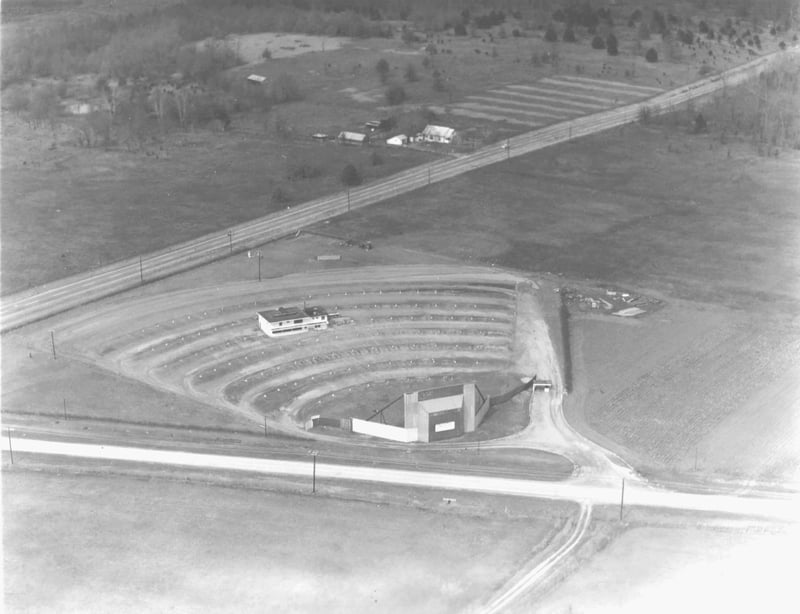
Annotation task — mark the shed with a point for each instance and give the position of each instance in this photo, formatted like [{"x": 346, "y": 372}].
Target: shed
[
  {"x": 352, "y": 138},
  {"x": 257, "y": 79},
  {"x": 400, "y": 139}
]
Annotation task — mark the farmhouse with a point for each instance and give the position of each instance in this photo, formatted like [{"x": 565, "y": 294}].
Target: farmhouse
[
  {"x": 438, "y": 134},
  {"x": 292, "y": 320},
  {"x": 353, "y": 138}
]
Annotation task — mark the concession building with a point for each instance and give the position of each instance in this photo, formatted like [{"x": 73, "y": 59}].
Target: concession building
[{"x": 292, "y": 320}]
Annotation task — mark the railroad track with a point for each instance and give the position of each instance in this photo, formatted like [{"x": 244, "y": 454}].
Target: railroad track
[{"x": 47, "y": 300}]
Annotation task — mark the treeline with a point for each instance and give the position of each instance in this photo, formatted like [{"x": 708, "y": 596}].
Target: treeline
[
  {"x": 153, "y": 44},
  {"x": 765, "y": 115}
]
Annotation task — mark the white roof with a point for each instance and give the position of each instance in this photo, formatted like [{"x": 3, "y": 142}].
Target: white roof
[
  {"x": 256, "y": 78},
  {"x": 398, "y": 139},
  {"x": 440, "y": 131},
  {"x": 352, "y": 136},
  {"x": 431, "y": 406}
]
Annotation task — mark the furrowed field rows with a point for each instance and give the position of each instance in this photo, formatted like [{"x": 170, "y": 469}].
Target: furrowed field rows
[{"x": 551, "y": 99}]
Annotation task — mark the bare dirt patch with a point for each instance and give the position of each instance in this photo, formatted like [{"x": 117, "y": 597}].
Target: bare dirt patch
[{"x": 250, "y": 47}]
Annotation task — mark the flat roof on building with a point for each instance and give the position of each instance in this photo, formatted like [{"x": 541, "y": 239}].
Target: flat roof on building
[
  {"x": 431, "y": 406},
  {"x": 291, "y": 313}
]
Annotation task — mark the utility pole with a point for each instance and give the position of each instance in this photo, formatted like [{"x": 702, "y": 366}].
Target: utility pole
[
  {"x": 314, "y": 471},
  {"x": 622, "y": 499},
  {"x": 259, "y": 255},
  {"x": 429, "y": 175},
  {"x": 53, "y": 343},
  {"x": 141, "y": 270},
  {"x": 508, "y": 149},
  {"x": 265, "y": 425},
  {"x": 695, "y": 458},
  {"x": 230, "y": 240},
  {"x": 10, "y": 451},
  {"x": 348, "y": 200},
  {"x": 65, "y": 408}
]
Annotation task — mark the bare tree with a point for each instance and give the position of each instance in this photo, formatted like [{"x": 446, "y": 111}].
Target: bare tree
[{"x": 160, "y": 97}]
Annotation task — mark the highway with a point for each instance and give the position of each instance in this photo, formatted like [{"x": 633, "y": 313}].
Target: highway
[
  {"x": 41, "y": 302},
  {"x": 784, "y": 507}
]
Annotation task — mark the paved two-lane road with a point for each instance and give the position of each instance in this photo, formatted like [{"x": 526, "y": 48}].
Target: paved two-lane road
[
  {"x": 38, "y": 303},
  {"x": 779, "y": 506}
]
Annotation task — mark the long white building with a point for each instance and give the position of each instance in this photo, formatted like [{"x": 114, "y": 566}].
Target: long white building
[{"x": 292, "y": 320}]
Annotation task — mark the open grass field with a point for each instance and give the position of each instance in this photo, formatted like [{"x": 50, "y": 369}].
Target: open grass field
[
  {"x": 99, "y": 544},
  {"x": 641, "y": 207},
  {"x": 78, "y": 209},
  {"x": 690, "y": 386},
  {"x": 664, "y": 570}
]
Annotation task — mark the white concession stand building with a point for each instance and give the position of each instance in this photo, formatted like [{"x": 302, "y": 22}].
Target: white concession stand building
[{"x": 292, "y": 320}]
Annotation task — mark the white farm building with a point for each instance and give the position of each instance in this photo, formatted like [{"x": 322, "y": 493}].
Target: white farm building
[
  {"x": 292, "y": 320},
  {"x": 438, "y": 134}
]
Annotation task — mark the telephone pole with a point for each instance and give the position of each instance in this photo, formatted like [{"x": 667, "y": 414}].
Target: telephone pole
[
  {"x": 622, "y": 499},
  {"x": 314, "y": 471}
]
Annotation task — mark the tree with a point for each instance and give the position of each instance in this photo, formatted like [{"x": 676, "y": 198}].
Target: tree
[
  {"x": 438, "y": 81},
  {"x": 382, "y": 68},
  {"x": 350, "y": 176},
  {"x": 598, "y": 42},
  {"x": 459, "y": 30},
  {"x": 643, "y": 32},
  {"x": 44, "y": 105},
  {"x": 160, "y": 98},
  {"x": 395, "y": 94},
  {"x": 651, "y": 55},
  {"x": 411, "y": 73},
  {"x": 551, "y": 36},
  {"x": 184, "y": 98},
  {"x": 569, "y": 35},
  {"x": 267, "y": 53},
  {"x": 612, "y": 45},
  {"x": 285, "y": 89},
  {"x": 658, "y": 24},
  {"x": 700, "y": 124}
]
